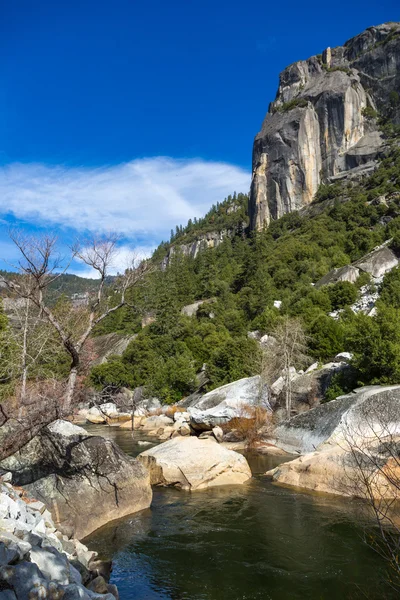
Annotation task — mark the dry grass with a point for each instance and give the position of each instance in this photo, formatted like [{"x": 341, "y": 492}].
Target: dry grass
[{"x": 253, "y": 424}]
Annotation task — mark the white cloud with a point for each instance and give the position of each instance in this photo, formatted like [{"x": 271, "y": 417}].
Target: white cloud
[{"x": 142, "y": 197}]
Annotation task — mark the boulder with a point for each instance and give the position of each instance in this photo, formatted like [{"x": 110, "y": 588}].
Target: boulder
[
  {"x": 85, "y": 481},
  {"x": 181, "y": 416},
  {"x": 155, "y": 422},
  {"x": 218, "y": 434},
  {"x": 52, "y": 564},
  {"x": 347, "y": 273},
  {"x": 93, "y": 415},
  {"x": 362, "y": 428},
  {"x": 109, "y": 409},
  {"x": 193, "y": 464},
  {"x": 224, "y": 403},
  {"x": 378, "y": 262}
]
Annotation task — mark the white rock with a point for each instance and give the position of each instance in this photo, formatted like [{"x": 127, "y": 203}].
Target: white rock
[
  {"x": 109, "y": 408},
  {"x": 313, "y": 367},
  {"x": 218, "y": 434},
  {"x": 155, "y": 422},
  {"x": 66, "y": 428},
  {"x": 52, "y": 564},
  {"x": 181, "y": 416},
  {"x": 224, "y": 403},
  {"x": 193, "y": 464},
  {"x": 344, "y": 357}
]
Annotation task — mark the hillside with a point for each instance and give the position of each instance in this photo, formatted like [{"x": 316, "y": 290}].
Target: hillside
[{"x": 246, "y": 275}]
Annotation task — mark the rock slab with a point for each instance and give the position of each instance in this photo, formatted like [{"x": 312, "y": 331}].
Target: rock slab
[{"x": 193, "y": 464}]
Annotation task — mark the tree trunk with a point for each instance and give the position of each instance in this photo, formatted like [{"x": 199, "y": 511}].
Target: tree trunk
[{"x": 69, "y": 392}]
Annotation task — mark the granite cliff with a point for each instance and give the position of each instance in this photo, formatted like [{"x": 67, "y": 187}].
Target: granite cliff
[{"x": 324, "y": 121}]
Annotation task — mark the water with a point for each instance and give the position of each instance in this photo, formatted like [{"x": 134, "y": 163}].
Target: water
[{"x": 256, "y": 541}]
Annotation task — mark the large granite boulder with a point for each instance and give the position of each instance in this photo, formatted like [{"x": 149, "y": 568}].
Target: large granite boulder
[
  {"x": 378, "y": 262},
  {"x": 317, "y": 127},
  {"x": 346, "y": 273},
  {"x": 85, "y": 481},
  {"x": 193, "y": 464},
  {"x": 224, "y": 403},
  {"x": 343, "y": 440}
]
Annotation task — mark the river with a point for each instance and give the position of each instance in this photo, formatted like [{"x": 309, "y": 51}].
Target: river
[{"x": 256, "y": 541}]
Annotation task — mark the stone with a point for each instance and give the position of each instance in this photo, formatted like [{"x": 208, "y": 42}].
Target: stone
[
  {"x": 109, "y": 409},
  {"x": 316, "y": 129},
  {"x": 67, "y": 429},
  {"x": 84, "y": 481},
  {"x": 378, "y": 262},
  {"x": 52, "y": 564},
  {"x": 193, "y": 464},
  {"x": 308, "y": 389},
  {"x": 343, "y": 357},
  {"x": 218, "y": 434},
  {"x": 110, "y": 344},
  {"x": 98, "y": 585},
  {"x": 306, "y": 432},
  {"x": 37, "y": 506},
  {"x": 7, "y": 595},
  {"x": 224, "y": 403},
  {"x": 112, "y": 589},
  {"x": 75, "y": 591},
  {"x": 181, "y": 416},
  {"x": 348, "y": 273},
  {"x": 155, "y": 422},
  {"x": 95, "y": 417},
  {"x": 7, "y": 554},
  {"x": 22, "y": 577},
  {"x": 184, "y": 430}
]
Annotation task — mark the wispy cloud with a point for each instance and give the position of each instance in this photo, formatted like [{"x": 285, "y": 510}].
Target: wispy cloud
[{"x": 145, "y": 197}]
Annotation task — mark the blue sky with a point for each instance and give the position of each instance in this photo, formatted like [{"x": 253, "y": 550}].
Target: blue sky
[{"x": 135, "y": 116}]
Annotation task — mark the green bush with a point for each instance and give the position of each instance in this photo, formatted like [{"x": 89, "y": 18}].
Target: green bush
[{"x": 341, "y": 294}]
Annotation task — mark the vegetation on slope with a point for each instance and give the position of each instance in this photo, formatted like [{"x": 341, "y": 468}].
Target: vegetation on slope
[{"x": 246, "y": 275}]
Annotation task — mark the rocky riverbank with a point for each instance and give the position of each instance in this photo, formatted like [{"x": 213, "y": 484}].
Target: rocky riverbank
[{"x": 38, "y": 561}]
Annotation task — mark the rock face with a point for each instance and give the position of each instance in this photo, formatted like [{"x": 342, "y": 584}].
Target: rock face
[
  {"x": 85, "y": 481},
  {"x": 308, "y": 389},
  {"x": 108, "y": 344},
  {"x": 224, "y": 403},
  {"x": 320, "y": 124},
  {"x": 37, "y": 561},
  {"x": 194, "y": 464},
  {"x": 211, "y": 239},
  {"x": 360, "y": 428}
]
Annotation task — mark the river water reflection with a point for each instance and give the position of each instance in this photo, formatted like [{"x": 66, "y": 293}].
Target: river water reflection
[{"x": 256, "y": 541}]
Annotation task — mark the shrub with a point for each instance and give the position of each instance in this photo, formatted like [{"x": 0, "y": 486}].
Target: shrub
[
  {"x": 341, "y": 294},
  {"x": 253, "y": 424}
]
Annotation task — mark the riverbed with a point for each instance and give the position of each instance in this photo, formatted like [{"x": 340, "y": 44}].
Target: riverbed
[{"x": 255, "y": 541}]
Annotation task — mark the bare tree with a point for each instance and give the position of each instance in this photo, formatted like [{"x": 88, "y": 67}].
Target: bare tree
[
  {"x": 371, "y": 471},
  {"x": 41, "y": 265},
  {"x": 287, "y": 350}
]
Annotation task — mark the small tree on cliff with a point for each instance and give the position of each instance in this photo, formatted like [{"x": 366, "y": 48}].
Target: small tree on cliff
[{"x": 40, "y": 265}]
